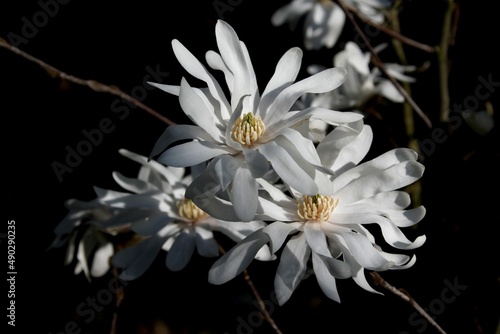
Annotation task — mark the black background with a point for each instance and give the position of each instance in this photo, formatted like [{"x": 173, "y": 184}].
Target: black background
[{"x": 114, "y": 43}]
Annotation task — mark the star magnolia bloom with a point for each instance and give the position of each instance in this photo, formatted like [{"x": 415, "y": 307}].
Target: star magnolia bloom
[
  {"x": 171, "y": 222},
  {"x": 324, "y": 19},
  {"x": 330, "y": 228},
  {"x": 361, "y": 84},
  {"x": 87, "y": 230},
  {"x": 250, "y": 135}
]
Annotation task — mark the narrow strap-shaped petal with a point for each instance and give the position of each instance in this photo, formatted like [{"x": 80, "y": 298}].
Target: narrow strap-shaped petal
[
  {"x": 182, "y": 250},
  {"x": 285, "y": 74},
  {"x": 325, "y": 280},
  {"x": 196, "y": 69},
  {"x": 237, "y": 258},
  {"x": 278, "y": 232},
  {"x": 175, "y": 133},
  {"x": 192, "y": 153},
  {"x": 205, "y": 242},
  {"x": 138, "y": 258},
  {"x": 288, "y": 169},
  {"x": 292, "y": 267},
  {"x": 321, "y": 82},
  {"x": 199, "y": 110},
  {"x": 244, "y": 195}
]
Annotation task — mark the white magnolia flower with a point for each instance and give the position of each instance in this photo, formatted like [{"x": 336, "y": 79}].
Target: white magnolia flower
[
  {"x": 324, "y": 20},
  {"x": 362, "y": 82},
  {"x": 87, "y": 230},
  {"x": 172, "y": 222},
  {"x": 249, "y": 135},
  {"x": 330, "y": 228}
]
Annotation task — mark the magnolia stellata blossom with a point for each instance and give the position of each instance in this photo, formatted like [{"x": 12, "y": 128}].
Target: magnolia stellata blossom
[
  {"x": 249, "y": 135},
  {"x": 87, "y": 230},
  {"x": 362, "y": 82},
  {"x": 171, "y": 222},
  {"x": 331, "y": 228},
  {"x": 324, "y": 19}
]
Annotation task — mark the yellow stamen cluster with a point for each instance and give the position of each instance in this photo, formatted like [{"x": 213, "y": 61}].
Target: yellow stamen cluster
[
  {"x": 316, "y": 208},
  {"x": 247, "y": 129},
  {"x": 189, "y": 210}
]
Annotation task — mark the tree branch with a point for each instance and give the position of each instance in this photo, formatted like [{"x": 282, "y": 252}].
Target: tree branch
[
  {"x": 407, "y": 298},
  {"x": 92, "y": 84},
  {"x": 381, "y": 65}
]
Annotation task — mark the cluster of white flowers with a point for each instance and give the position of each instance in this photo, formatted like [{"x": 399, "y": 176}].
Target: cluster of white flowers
[
  {"x": 248, "y": 168},
  {"x": 324, "y": 19}
]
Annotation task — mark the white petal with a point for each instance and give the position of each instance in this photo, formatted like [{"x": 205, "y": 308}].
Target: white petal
[
  {"x": 353, "y": 152},
  {"x": 196, "y": 69},
  {"x": 387, "y": 90},
  {"x": 278, "y": 232},
  {"x": 136, "y": 259},
  {"x": 285, "y": 74},
  {"x": 235, "y": 58},
  {"x": 236, "y": 231},
  {"x": 214, "y": 60},
  {"x": 358, "y": 273},
  {"x": 205, "y": 243},
  {"x": 100, "y": 262},
  {"x": 325, "y": 280},
  {"x": 132, "y": 184},
  {"x": 192, "y": 153},
  {"x": 321, "y": 82},
  {"x": 288, "y": 169},
  {"x": 335, "y": 25},
  {"x": 237, "y": 258},
  {"x": 199, "y": 110},
  {"x": 364, "y": 252},
  {"x": 243, "y": 194},
  {"x": 175, "y": 133},
  {"x": 181, "y": 251},
  {"x": 171, "y": 89},
  {"x": 378, "y": 181},
  {"x": 153, "y": 224},
  {"x": 292, "y": 267},
  {"x": 291, "y": 12}
]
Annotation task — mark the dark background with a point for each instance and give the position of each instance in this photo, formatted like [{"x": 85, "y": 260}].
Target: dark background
[{"x": 114, "y": 43}]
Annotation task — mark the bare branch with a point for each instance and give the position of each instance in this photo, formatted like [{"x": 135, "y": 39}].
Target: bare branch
[{"x": 92, "y": 84}]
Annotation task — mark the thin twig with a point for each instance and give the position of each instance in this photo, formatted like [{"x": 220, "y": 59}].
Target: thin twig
[
  {"x": 407, "y": 298},
  {"x": 265, "y": 314},
  {"x": 119, "y": 298},
  {"x": 381, "y": 65},
  {"x": 443, "y": 61},
  {"x": 92, "y": 84},
  {"x": 394, "y": 34}
]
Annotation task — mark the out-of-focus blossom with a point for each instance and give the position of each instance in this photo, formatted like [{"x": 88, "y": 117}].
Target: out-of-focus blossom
[
  {"x": 324, "y": 20},
  {"x": 362, "y": 83}
]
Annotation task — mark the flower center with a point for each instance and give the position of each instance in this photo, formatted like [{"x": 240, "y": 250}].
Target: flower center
[
  {"x": 247, "y": 129},
  {"x": 317, "y": 207},
  {"x": 189, "y": 210}
]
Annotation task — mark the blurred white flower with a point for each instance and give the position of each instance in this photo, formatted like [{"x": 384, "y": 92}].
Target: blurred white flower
[
  {"x": 331, "y": 227},
  {"x": 362, "y": 82},
  {"x": 250, "y": 135},
  {"x": 172, "y": 223},
  {"x": 324, "y": 19},
  {"x": 86, "y": 231}
]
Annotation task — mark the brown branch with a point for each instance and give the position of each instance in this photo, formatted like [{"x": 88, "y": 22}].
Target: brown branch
[
  {"x": 443, "y": 61},
  {"x": 265, "y": 314},
  {"x": 390, "y": 32},
  {"x": 92, "y": 84},
  {"x": 119, "y": 298},
  {"x": 381, "y": 65},
  {"x": 378, "y": 280}
]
